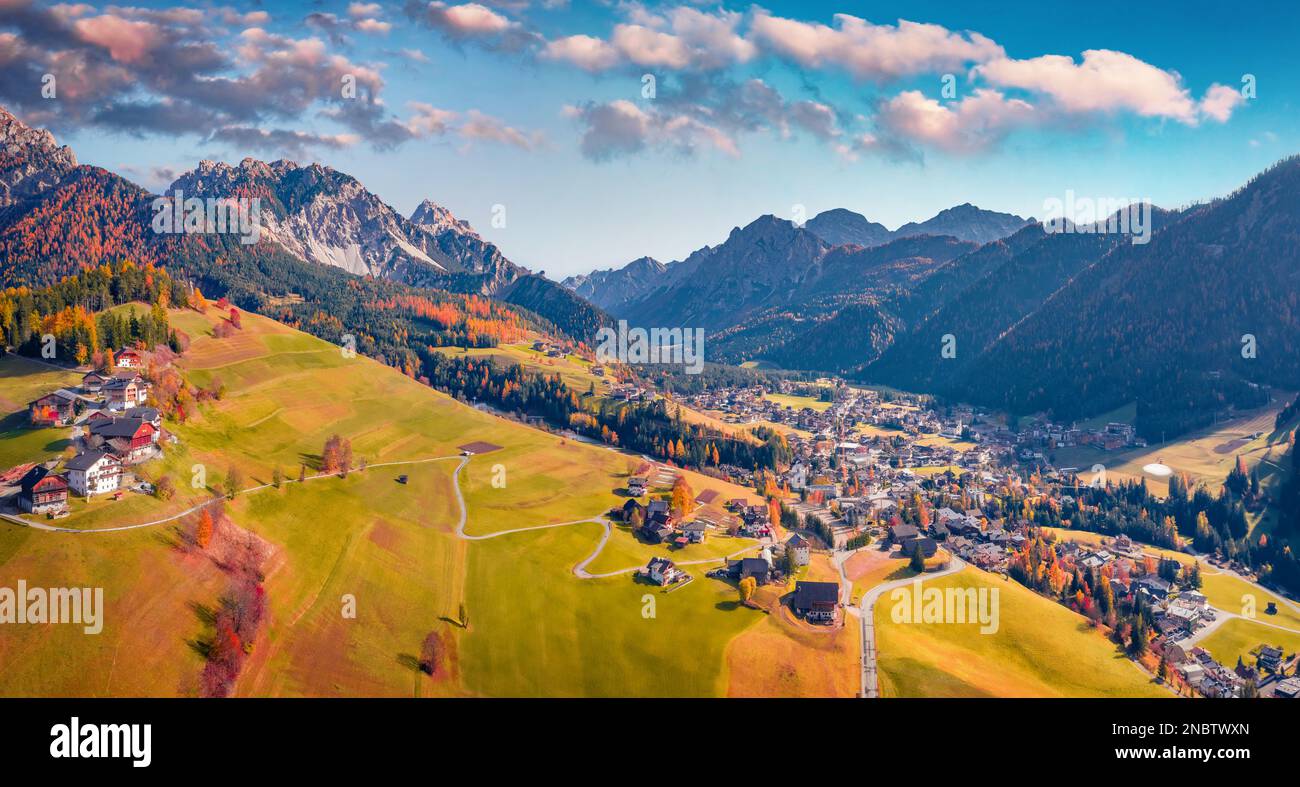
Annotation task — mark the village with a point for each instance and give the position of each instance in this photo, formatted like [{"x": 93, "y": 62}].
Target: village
[
  {"x": 112, "y": 429},
  {"x": 863, "y": 460}
]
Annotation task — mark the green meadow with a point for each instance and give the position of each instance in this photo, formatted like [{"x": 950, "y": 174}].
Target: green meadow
[{"x": 387, "y": 549}]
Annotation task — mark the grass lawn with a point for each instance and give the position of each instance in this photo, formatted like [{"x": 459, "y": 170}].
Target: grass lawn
[
  {"x": 1240, "y": 638},
  {"x": 1205, "y": 455},
  {"x": 1040, "y": 649},
  {"x": 574, "y": 371},
  {"x": 937, "y": 470},
  {"x": 798, "y": 402},
  {"x": 782, "y": 658},
  {"x": 19, "y": 443},
  {"x": 870, "y": 567},
  {"x": 535, "y": 630},
  {"x": 154, "y": 600},
  {"x": 1227, "y": 592},
  {"x": 22, "y": 380},
  {"x": 624, "y": 551}
]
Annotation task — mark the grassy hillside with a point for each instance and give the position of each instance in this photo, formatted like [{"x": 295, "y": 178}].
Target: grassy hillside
[
  {"x": 534, "y": 627},
  {"x": 1040, "y": 649}
]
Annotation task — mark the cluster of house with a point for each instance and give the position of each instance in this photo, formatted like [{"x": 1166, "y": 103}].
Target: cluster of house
[
  {"x": 883, "y": 449},
  {"x": 660, "y": 524},
  {"x": 113, "y": 429},
  {"x": 548, "y": 349},
  {"x": 1043, "y": 433},
  {"x": 1211, "y": 679},
  {"x": 1180, "y": 613}
]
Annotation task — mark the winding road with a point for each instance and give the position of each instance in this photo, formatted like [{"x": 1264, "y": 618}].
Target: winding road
[
  {"x": 870, "y": 682},
  {"x": 579, "y": 570}
]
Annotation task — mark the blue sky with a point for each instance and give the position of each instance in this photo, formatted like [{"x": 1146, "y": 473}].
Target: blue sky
[{"x": 538, "y": 106}]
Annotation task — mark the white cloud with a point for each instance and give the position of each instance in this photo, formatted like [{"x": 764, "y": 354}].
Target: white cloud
[
  {"x": 970, "y": 125},
  {"x": 1220, "y": 101},
  {"x": 683, "y": 38},
  {"x": 1107, "y": 81},
  {"x": 870, "y": 51},
  {"x": 583, "y": 51}
]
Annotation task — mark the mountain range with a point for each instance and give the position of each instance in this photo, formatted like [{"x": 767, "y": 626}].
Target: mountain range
[
  {"x": 59, "y": 216},
  {"x": 1075, "y": 323},
  {"x": 616, "y": 289}
]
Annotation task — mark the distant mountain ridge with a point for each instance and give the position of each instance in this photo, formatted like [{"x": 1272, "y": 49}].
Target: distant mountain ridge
[{"x": 618, "y": 290}]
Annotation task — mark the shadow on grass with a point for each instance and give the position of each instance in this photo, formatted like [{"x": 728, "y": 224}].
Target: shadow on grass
[
  {"x": 207, "y": 616},
  {"x": 902, "y": 572}
]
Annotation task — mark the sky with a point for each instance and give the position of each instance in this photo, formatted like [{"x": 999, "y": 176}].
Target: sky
[{"x": 582, "y": 135}]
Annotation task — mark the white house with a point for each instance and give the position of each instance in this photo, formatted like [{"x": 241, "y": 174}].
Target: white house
[
  {"x": 94, "y": 473},
  {"x": 662, "y": 571}
]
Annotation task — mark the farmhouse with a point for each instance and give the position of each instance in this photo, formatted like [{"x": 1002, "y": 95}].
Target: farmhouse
[
  {"x": 94, "y": 473},
  {"x": 1153, "y": 586},
  {"x": 122, "y": 393},
  {"x": 1270, "y": 658},
  {"x": 128, "y": 358},
  {"x": 636, "y": 486},
  {"x": 92, "y": 382},
  {"x": 755, "y": 567},
  {"x": 54, "y": 409},
  {"x": 42, "y": 491},
  {"x": 662, "y": 571},
  {"x": 132, "y": 440},
  {"x": 694, "y": 531},
  {"x": 816, "y": 601}
]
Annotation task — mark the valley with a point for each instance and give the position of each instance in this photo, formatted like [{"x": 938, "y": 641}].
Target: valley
[{"x": 378, "y": 458}]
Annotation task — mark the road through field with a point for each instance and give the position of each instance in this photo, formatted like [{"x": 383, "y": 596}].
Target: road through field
[
  {"x": 870, "y": 681},
  {"x": 579, "y": 570}
]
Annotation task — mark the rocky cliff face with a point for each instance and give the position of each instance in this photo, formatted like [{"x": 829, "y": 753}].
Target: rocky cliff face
[{"x": 31, "y": 162}]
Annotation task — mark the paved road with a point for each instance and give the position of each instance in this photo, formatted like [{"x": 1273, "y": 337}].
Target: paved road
[
  {"x": 870, "y": 682},
  {"x": 580, "y": 570}
]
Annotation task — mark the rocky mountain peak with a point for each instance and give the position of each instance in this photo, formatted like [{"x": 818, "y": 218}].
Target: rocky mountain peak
[
  {"x": 31, "y": 161},
  {"x": 434, "y": 218}
]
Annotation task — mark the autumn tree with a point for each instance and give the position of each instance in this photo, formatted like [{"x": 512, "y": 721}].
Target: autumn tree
[
  {"x": 747, "y": 587},
  {"x": 203, "y": 536},
  {"x": 683, "y": 497}
]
